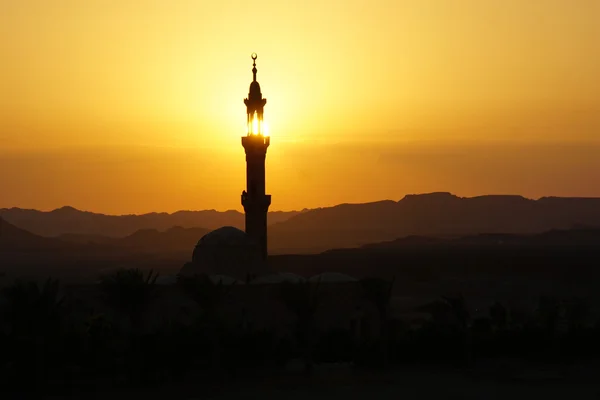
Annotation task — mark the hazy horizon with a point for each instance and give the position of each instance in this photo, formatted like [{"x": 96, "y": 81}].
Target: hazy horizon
[
  {"x": 525, "y": 169},
  {"x": 135, "y": 107}
]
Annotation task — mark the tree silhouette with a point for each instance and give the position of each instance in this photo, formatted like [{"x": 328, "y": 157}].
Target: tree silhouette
[
  {"x": 32, "y": 308},
  {"x": 459, "y": 309},
  {"x": 578, "y": 311},
  {"x": 302, "y": 299},
  {"x": 379, "y": 292},
  {"x": 209, "y": 296},
  {"x": 499, "y": 316},
  {"x": 33, "y": 316},
  {"x": 460, "y": 312},
  {"x": 128, "y": 292}
]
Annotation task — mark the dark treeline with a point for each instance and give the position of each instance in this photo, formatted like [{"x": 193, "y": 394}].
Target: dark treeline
[{"x": 50, "y": 342}]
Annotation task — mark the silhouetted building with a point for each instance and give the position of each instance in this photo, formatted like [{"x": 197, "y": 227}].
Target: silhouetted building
[
  {"x": 227, "y": 251},
  {"x": 254, "y": 199}
]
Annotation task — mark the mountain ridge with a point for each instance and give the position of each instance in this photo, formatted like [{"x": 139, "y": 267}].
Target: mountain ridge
[
  {"x": 433, "y": 214},
  {"x": 69, "y": 220},
  {"x": 437, "y": 214}
]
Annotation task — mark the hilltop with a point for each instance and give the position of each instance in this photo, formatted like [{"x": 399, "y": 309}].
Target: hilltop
[
  {"x": 71, "y": 221},
  {"x": 434, "y": 215}
]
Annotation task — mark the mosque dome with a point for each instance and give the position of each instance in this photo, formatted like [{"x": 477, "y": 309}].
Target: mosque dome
[
  {"x": 224, "y": 236},
  {"x": 225, "y": 251}
]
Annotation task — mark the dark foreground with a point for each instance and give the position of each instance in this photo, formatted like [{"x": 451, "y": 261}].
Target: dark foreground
[{"x": 485, "y": 380}]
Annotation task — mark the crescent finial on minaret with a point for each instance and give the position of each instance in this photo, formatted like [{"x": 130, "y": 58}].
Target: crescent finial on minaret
[{"x": 254, "y": 57}]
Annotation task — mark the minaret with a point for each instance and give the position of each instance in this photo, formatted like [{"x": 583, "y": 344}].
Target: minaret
[{"x": 254, "y": 199}]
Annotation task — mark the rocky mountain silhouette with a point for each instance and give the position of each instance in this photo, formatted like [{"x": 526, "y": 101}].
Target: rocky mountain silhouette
[
  {"x": 173, "y": 239},
  {"x": 434, "y": 214},
  {"x": 568, "y": 237},
  {"x": 70, "y": 221},
  {"x": 18, "y": 240},
  {"x": 415, "y": 218},
  {"x": 24, "y": 253},
  {"x": 176, "y": 239}
]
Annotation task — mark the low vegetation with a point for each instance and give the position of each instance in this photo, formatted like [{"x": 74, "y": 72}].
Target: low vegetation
[{"x": 47, "y": 342}]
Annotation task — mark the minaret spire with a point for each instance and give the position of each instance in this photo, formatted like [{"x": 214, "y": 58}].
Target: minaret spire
[
  {"x": 254, "y": 199},
  {"x": 255, "y": 104},
  {"x": 254, "y": 70}
]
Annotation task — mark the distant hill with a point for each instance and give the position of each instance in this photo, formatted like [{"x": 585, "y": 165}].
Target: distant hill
[
  {"x": 559, "y": 249},
  {"x": 174, "y": 239},
  {"x": 15, "y": 239},
  {"x": 571, "y": 237},
  {"x": 416, "y": 218},
  {"x": 68, "y": 220},
  {"x": 18, "y": 240},
  {"x": 484, "y": 268},
  {"x": 421, "y": 258},
  {"x": 147, "y": 240},
  {"x": 434, "y": 215}
]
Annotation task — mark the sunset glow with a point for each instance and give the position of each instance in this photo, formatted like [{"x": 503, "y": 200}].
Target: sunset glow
[
  {"x": 255, "y": 130},
  {"x": 135, "y": 106}
]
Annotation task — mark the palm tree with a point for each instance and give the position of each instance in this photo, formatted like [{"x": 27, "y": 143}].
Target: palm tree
[
  {"x": 379, "y": 292},
  {"x": 459, "y": 309},
  {"x": 460, "y": 312},
  {"x": 130, "y": 293},
  {"x": 499, "y": 316},
  {"x": 578, "y": 312},
  {"x": 209, "y": 296},
  {"x": 302, "y": 299},
  {"x": 33, "y": 317},
  {"x": 31, "y": 308}
]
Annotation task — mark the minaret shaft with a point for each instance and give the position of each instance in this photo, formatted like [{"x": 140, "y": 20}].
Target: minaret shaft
[{"x": 254, "y": 199}]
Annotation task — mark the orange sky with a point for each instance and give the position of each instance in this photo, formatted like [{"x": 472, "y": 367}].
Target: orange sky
[{"x": 133, "y": 106}]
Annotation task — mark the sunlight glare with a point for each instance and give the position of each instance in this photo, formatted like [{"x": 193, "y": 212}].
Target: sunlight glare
[{"x": 254, "y": 125}]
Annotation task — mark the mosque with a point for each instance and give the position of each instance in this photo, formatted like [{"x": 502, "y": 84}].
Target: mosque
[
  {"x": 238, "y": 259},
  {"x": 259, "y": 298},
  {"x": 228, "y": 250},
  {"x": 227, "y": 253}
]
